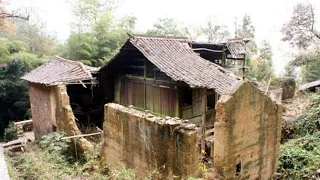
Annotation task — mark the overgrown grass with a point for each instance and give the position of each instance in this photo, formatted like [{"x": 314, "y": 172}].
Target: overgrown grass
[
  {"x": 300, "y": 158},
  {"x": 300, "y": 154},
  {"x": 308, "y": 123},
  {"x": 49, "y": 159}
]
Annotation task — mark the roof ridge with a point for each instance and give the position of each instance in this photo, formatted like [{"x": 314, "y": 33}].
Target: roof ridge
[{"x": 159, "y": 37}]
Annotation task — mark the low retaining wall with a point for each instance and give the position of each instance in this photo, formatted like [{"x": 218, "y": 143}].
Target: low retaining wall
[{"x": 148, "y": 144}]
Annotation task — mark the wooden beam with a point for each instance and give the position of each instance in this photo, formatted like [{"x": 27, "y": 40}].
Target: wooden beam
[
  {"x": 23, "y": 122},
  {"x": 241, "y": 59},
  {"x": 205, "y": 49},
  {"x": 203, "y": 119},
  {"x": 82, "y": 135}
]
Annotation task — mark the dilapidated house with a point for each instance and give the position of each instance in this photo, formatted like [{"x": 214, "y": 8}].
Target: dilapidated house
[
  {"x": 165, "y": 102},
  {"x": 199, "y": 105},
  {"x": 49, "y": 86},
  {"x": 166, "y": 77}
]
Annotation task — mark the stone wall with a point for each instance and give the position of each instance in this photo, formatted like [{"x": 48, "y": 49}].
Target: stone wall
[
  {"x": 247, "y": 134},
  {"x": 148, "y": 144},
  {"x": 40, "y": 109}
]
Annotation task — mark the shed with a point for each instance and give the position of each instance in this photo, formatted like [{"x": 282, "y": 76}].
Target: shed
[{"x": 43, "y": 83}]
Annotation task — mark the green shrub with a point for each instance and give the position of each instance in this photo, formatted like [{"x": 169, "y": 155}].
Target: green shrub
[
  {"x": 53, "y": 142},
  {"x": 300, "y": 157},
  {"x": 288, "y": 81},
  {"x": 10, "y": 133},
  {"x": 307, "y": 123}
]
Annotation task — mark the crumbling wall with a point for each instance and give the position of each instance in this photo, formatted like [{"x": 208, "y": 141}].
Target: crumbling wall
[
  {"x": 40, "y": 103},
  {"x": 247, "y": 134},
  {"x": 65, "y": 118},
  {"x": 149, "y": 144},
  {"x": 50, "y": 106}
]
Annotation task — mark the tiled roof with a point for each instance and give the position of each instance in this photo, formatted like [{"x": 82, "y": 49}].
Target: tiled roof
[
  {"x": 175, "y": 58},
  {"x": 58, "y": 71},
  {"x": 236, "y": 47}
]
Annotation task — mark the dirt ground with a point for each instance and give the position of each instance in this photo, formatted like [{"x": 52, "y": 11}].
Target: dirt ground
[{"x": 294, "y": 107}]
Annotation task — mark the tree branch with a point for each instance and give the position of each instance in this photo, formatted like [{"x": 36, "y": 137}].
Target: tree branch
[{"x": 8, "y": 15}]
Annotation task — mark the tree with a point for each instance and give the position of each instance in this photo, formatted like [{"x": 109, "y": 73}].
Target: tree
[
  {"x": 81, "y": 46},
  {"x": 34, "y": 35},
  {"x": 102, "y": 42},
  {"x": 167, "y": 27},
  {"x": 88, "y": 12},
  {"x": 246, "y": 29},
  {"x": 215, "y": 33},
  {"x": 310, "y": 63},
  {"x": 4, "y": 14},
  {"x": 14, "y": 99},
  {"x": 300, "y": 31},
  {"x": 262, "y": 66}
]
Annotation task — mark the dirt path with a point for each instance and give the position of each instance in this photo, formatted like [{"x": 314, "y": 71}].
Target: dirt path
[{"x": 3, "y": 166}]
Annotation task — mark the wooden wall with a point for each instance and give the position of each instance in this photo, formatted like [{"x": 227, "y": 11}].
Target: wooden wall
[{"x": 159, "y": 99}]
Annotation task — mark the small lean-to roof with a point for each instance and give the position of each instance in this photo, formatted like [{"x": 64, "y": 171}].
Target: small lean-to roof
[
  {"x": 176, "y": 59},
  {"x": 59, "y": 71},
  {"x": 309, "y": 85},
  {"x": 236, "y": 46}
]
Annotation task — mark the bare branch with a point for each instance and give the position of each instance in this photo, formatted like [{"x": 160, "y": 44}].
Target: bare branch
[{"x": 8, "y": 15}]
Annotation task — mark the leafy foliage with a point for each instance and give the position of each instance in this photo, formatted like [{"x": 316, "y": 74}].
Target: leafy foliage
[
  {"x": 14, "y": 99},
  {"x": 300, "y": 158},
  {"x": 215, "y": 33},
  {"x": 309, "y": 122},
  {"x": 300, "y": 154},
  {"x": 52, "y": 142},
  {"x": 88, "y": 12},
  {"x": 167, "y": 27},
  {"x": 10, "y": 133},
  {"x": 102, "y": 42},
  {"x": 262, "y": 66}
]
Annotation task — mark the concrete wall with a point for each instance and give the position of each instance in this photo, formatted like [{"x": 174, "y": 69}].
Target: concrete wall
[
  {"x": 247, "y": 134},
  {"x": 146, "y": 143},
  {"x": 41, "y": 111}
]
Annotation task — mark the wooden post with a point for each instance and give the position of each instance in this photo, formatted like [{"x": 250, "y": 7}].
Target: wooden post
[
  {"x": 243, "y": 68},
  {"x": 224, "y": 58},
  {"x": 145, "y": 83},
  {"x": 203, "y": 118}
]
